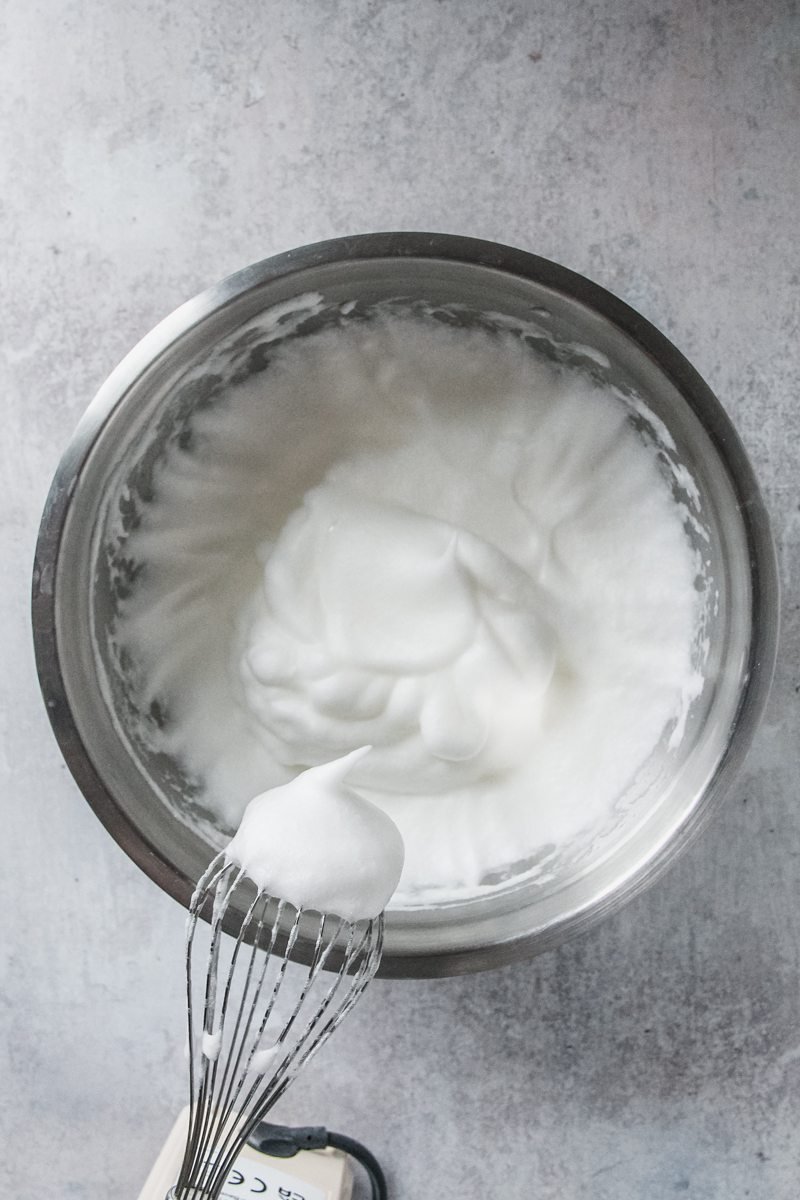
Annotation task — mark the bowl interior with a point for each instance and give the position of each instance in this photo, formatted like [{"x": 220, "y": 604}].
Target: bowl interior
[{"x": 205, "y": 348}]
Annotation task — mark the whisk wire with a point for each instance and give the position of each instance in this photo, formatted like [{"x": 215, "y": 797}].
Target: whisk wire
[
  {"x": 215, "y": 1021},
  {"x": 212, "y": 874},
  {"x": 287, "y": 1068},
  {"x": 230, "y": 1090},
  {"x": 237, "y": 1071},
  {"x": 202, "y": 1112}
]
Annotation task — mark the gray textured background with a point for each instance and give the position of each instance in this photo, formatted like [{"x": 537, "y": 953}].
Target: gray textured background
[{"x": 148, "y": 149}]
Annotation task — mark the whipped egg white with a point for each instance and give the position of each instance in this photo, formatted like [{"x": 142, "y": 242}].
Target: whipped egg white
[{"x": 436, "y": 542}]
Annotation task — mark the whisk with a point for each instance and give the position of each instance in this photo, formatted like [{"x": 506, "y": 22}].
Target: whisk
[{"x": 260, "y": 1003}]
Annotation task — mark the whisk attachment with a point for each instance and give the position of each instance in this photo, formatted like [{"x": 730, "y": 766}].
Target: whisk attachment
[{"x": 259, "y": 1003}]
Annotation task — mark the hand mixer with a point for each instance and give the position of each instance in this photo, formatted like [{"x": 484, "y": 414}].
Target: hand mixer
[{"x": 259, "y": 1005}]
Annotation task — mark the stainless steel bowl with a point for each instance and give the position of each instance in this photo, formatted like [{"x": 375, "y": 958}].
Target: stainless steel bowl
[{"x": 185, "y": 360}]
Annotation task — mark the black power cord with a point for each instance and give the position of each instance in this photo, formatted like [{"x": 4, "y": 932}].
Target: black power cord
[{"x": 284, "y": 1141}]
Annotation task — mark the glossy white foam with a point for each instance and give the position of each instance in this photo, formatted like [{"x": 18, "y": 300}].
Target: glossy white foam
[
  {"x": 436, "y": 542},
  {"x": 318, "y": 844}
]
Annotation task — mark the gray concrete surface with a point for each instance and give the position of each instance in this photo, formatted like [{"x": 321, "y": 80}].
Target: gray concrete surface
[{"x": 149, "y": 148}]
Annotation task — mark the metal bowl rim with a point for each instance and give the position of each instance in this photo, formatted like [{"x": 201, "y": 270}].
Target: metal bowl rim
[{"x": 470, "y": 252}]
